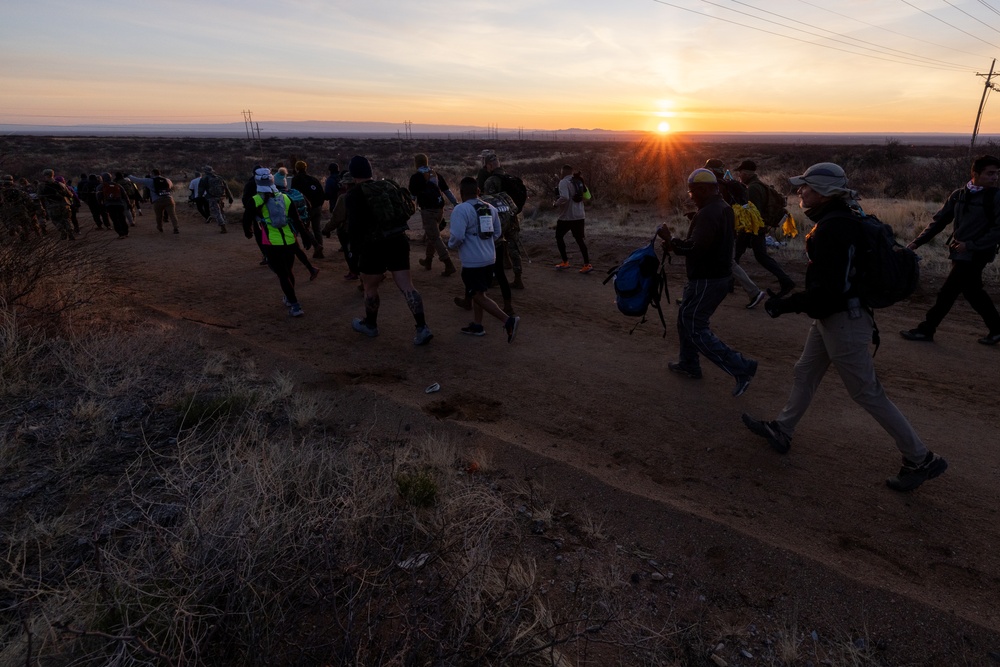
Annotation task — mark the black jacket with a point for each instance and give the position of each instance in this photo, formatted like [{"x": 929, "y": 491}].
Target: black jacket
[
  {"x": 708, "y": 249},
  {"x": 832, "y": 246}
]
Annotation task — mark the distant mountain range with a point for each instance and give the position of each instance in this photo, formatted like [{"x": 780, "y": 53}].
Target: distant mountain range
[{"x": 362, "y": 129}]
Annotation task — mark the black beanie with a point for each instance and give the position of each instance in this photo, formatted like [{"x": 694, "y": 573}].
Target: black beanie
[{"x": 360, "y": 167}]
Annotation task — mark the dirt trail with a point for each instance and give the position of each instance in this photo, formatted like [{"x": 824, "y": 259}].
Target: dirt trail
[{"x": 577, "y": 389}]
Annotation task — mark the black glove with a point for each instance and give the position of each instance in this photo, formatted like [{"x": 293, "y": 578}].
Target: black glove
[
  {"x": 307, "y": 241},
  {"x": 249, "y": 235},
  {"x": 775, "y": 305}
]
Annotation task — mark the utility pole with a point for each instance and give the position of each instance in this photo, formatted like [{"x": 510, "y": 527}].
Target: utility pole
[
  {"x": 982, "y": 103},
  {"x": 246, "y": 122}
]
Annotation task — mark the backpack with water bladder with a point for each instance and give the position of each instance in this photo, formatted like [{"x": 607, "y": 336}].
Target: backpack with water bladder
[
  {"x": 640, "y": 282},
  {"x": 300, "y": 204}
]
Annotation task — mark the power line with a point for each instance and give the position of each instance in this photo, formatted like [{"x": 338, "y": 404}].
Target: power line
[
  {"x": 890, "y": 30},
  {"x": 936, "y": 18},
  {"x": 989, "y": 7},
  {"x": 876, "y": 47},
  {"x": 799, "y": 39},
  {"x": 947, "y": 2}
]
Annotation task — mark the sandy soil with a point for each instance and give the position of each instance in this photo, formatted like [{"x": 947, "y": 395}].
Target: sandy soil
[{"x": 592, "y": 412}]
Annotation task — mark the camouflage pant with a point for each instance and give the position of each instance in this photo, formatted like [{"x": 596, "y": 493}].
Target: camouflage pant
[
  {"x": 61, "y": 217},
  {"x": 215, "y": 208},
  {"x": 513, "y": 235}
]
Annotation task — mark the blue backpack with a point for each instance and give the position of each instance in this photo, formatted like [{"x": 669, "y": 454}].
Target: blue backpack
[{"x": 640, "y": 281}]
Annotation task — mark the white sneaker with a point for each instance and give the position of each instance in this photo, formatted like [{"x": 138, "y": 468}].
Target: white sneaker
[
  {"x": 423, "y": 336},
  {"x": 359, "y": 325}
]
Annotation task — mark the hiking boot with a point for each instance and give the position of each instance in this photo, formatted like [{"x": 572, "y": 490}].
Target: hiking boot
[
  {"x": 586, "y": 268},
  {"x": 990, "y": 339},
  {"x": 517, "y": 284},
  {"x": 222, "y": 229},
  {"x": 426, "y": 263},
  {"x": 770, "y": 431},
  {"x": 464, "y": 304},
  {"x": 510, "y": 326},
  {"x": 912, "y": 475},
  {"x": 449, "y": 268},
  {"x": 313, "y": 273},
  {"x": 562, "y": 265},
  {"x": 693, "y": 373},
  {"x": 754, "y": 300},
  {"x": 743, "y": 381},
  {"x": 295, "y": 310},
  {"x": 423, "y": 336},
  {"x": 360, "y": 326},
  {"x": 474, "y": 329},
  {"x": 917, "y": 335},
  {"x": 317, "y": 254}
]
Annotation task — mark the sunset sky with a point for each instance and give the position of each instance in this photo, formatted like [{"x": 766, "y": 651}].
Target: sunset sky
[{"x": 696, "y": 65}]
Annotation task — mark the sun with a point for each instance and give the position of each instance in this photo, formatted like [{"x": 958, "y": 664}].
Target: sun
[{"x": 663, "y": 127}]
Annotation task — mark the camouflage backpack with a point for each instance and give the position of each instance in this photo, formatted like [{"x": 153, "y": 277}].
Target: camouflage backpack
[{"x": 391, "y": 207}]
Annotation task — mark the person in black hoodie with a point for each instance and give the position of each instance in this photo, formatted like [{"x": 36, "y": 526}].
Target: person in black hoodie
[
  {"x": 708, "y": 257},
  {"x": 841, "y": 329},
  {"x": 975, "y": 210}
]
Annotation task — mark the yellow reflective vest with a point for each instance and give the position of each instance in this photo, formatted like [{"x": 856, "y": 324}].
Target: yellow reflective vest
[{"x": 274, "y": 235}]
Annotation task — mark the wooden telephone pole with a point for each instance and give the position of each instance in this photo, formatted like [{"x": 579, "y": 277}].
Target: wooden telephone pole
[{"x": 982, "y": 103}]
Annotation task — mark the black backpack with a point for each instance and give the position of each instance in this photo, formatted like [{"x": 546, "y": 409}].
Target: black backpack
[
  {"x": 514, "y": 187},
  {"x": 774, "y": 206},
  {"x": 889, "y": 272},
  {"x": 161, "y": 186}
]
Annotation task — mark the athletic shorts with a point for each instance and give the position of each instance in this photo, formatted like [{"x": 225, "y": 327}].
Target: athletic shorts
[
  {"x": 391, "y": 254},
  {"x": 477, "y": 279}
]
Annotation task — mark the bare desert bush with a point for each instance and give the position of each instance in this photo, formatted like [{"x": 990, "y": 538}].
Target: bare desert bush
[{"x": 45, "y": 282}]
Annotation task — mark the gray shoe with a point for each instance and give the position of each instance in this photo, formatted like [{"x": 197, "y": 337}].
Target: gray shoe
[
  {"x": 359, "y": 325},
  {"x": 779, "y": 442},
  {"x": 912, "y": 475},
  {"x": 423, "y": 336},
  {"x": 295, "y": 310}
]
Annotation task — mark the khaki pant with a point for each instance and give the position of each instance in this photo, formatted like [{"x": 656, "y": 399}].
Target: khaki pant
[
  {"x": 164, "y": 209},
  {"x": 431, "y": 218},
  {"x": 844, "y": 342}
]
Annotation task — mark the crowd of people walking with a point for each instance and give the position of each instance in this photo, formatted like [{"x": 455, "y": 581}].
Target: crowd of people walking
[{"x": 283, "y": 215}]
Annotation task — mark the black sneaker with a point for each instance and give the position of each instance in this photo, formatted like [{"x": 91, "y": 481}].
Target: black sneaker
[
  {"x": 743, "y": 381},
  {"x": 756, "y": 300},
  {"x": 693, "y": 373},
  {"x": 917, "y": 335},
  {"x": 785, "y": 289},
  {"x": 912, "y": 475},
  {"x": 510, "y": 326},
  {"x": 474, "y": 329},
  {"x": 779, "y": 442},
  {"x": 990, "y": 339}
]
